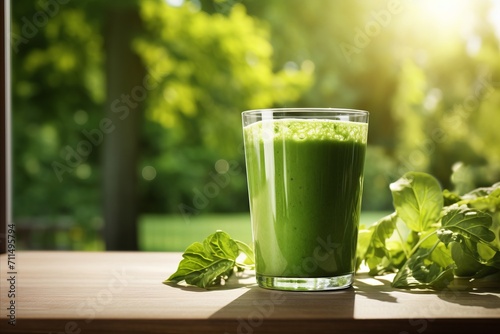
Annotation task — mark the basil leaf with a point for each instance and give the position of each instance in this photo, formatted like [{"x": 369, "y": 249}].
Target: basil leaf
[
  {"x": 418, "y": 200},
  {"x": 220, "y": 245},
  {"x": 206, "y": 264},
  {"x": 210, "y": 275}
]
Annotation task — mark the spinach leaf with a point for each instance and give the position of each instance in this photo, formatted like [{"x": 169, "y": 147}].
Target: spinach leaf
[
  {"x": 418, "y": 200},
  {"x": 487, "y": 198},
  {"x": 249, "y": 258},
  {"x": 449, "y": 234},
  {"x": 466, "y": 265},
  {"x": 421, "y": 272},
  {"x": 372, "y": 244},
  {"x": 207, "y": 264},
  {"x": 469, "y": 223},
  {"x": 450, "y": 197},
  {"x": 445, "y": 235}
]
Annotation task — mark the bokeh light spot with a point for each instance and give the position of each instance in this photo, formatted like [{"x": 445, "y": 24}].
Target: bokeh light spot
[
  {"x": 81, "y": 117},
  {"x": 149, "y": 173},
  {"x": 222, "y": 166}
]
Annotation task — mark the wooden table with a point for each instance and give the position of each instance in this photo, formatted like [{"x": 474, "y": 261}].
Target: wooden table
[{"x": 78, "y": 292}]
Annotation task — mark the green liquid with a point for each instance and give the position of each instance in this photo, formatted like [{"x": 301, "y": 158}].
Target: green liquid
[{"x": 305, "y": 183}]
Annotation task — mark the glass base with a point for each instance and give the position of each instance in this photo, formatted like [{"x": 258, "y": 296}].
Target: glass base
[{"x": 305, "y": 284}]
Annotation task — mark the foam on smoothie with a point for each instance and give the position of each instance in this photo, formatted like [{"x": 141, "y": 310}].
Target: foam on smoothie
[{"x": 312, "y": 129}]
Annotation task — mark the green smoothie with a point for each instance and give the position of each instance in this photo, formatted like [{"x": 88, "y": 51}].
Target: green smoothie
[{"x": 305, "y": 182}]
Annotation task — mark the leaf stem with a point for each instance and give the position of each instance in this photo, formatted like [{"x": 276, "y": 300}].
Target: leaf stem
[
  {"x": 403, "y": 243},
  {"x": 421, "y": 241}
]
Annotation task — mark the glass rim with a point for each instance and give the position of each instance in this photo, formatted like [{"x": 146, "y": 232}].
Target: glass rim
[{"x": 345, "y": 111}]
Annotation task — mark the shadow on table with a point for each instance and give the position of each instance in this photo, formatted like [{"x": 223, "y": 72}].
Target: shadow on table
[
  {"x": 379, "y": 288},
  {"x": 470, "y": 298},
  {"x": 265, "y": 309}
]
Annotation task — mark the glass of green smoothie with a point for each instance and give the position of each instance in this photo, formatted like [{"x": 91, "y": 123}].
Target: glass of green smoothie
[{"x": 305, "y": 180}]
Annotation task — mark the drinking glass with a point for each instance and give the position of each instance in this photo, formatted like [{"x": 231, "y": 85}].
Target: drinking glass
[{"x": 305, "y": 181}]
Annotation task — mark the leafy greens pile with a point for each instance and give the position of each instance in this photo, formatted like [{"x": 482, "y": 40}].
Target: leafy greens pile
[{"x": 434, "y": 235}]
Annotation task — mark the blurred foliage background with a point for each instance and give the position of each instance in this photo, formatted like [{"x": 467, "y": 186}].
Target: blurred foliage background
[{"x": 428, "y": 72}]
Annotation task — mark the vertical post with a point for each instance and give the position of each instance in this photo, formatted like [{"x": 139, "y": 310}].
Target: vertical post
[
  {"x": 125, "y": 74},
  {"x": 5, "y": 124}
]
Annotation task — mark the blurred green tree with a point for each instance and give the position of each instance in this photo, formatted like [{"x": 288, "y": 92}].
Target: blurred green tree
[
  {"x": 200, "y": 71},
  {"x": 427, "y": 71},
  {"x": 57, "y": 92},
  {"x": 213, "y": 67},
  {"x": 446, "y": 105}
]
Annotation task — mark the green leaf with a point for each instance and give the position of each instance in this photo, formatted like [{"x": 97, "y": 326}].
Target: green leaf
[
  {"x": 466, "y": 265},
  {"x": 372, "y": 246},
  {"x": 468, "y": 231},
  {"x": 485, "y": 251},
  {"x": 249, "y": 260},
  {"x": 470, "y": 223},
  {"x": 364, "y": 237},
  {"x": 421, "y": 272},
  {"x": 487, "y": 198},
  {"x": 220, "y": 245},
  {"x": 444, "y": 240},
  {"x": 450, "y": 198},
  {"x": 441, "y": 256},
  {"x": 495, "y": 261},
  {"x": 205, "y": 264},
  {"x": 484, "y": 191},
  {"x": 418, "y": 200},
  {"x": 210, "y": 275}
]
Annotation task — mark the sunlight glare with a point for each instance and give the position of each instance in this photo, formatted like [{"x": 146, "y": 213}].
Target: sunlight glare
[
  {"x": 447, "y": 13},
  {"x": 446, "y": 24},
  {"x": 494, "y": 17},
  {"x": 175, "y": 3}
]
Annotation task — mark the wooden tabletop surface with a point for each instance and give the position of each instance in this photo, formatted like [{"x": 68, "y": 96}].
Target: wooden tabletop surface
[{"x": 122, "y": 292}]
